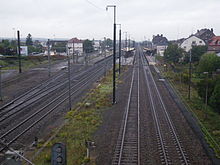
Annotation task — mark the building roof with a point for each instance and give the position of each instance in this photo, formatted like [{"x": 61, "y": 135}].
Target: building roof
[
  {"x": 205, "y": 34},
  {"x": 159, "y": 40},
  {"x": 75, "y": 40}
]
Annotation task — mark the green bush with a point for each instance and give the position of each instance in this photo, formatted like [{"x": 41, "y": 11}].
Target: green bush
[
  {"x": 215, "y": 98},
  {"x": 3, "y": 63},
  {"x": 185, "y": 78},
  {"x": 201, "y": 87}
]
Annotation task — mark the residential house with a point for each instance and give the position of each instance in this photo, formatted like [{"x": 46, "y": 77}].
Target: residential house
[
  {"x": 160, "y": 43},
  {"x": 96, "y": 45},
  {"x": 191, "y": 41},
  {"x": 214, "y": 44},
  {"x": 205, "y": 34},
  {"x": 75, "y": 46}
]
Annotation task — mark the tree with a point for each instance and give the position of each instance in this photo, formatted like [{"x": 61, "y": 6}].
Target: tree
[
  {"x": 209, "y": 62},
  {"x": 173, "y": 53},
  {"x": 201, "y": 87},
  {"x": 197, "y": 52},
  {"x": 109, "y": 43},
  {"x": 215, "y": 98},
  {"x": 88, "y": 46},
  {"x": 7, "y": 47},
  {"x": 29, "y": 41}
]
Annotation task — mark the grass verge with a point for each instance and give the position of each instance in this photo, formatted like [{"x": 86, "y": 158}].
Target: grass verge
[
  {"x": 11, "y": 63},
  {"x": 81, "y": 124}
]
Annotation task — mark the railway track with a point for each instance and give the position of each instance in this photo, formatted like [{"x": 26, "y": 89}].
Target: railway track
[
  {"x": 169, "y": 144},
  {"x": 127, "y": 150},
  {"x": 34, "y": 91},
  {"x": 13, "y": 133},
  {"x": 41, "y": 92}
]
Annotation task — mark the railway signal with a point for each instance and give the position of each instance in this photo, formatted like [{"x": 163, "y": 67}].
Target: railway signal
[{"x": 58, "y": 154}]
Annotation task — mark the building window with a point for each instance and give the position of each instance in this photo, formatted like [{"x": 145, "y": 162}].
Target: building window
[
  {"x": 200, "y": 42},
  {"x": 194, "y": 43}
]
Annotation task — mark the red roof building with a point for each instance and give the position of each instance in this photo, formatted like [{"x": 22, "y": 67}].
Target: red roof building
[
  {"x": 75, "y": 46},
  {"x": 214, "y": 44},
  {"x": 75, "y": 40}
]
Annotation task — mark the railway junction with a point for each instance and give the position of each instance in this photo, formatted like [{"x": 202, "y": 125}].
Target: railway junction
[{"x": 147, "y": 125}]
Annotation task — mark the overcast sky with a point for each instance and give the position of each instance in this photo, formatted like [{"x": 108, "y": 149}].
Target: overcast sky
[{"x": 89, "y": 19}]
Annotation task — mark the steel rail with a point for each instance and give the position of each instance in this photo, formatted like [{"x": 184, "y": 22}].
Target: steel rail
[
  {"x": 53, "y": 101},
  {"x": 49, "y": 81},
  {"x": 41, "y": 86},
  {"x": 169, "y": 120},
  {"x": 46, "y": 114},
  {"x": 126, "y": 119},
  {"x": 125, "y": 123},
  {"x": 167, "y": 117},
  {"x": 138, "y": 109},
  {"x": 156, "y": 118},
  {"x": 52, "y": 89},
  {"x": 43, "y": 94}
]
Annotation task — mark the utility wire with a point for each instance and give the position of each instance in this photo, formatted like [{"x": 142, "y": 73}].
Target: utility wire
[
  {"x": 94, "y": 5},
  {"x": 97, "y": 7}
]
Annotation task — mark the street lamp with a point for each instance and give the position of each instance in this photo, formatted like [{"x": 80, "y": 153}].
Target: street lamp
[
  {"x": 119, "y": 49},
  {"x": 114, "y": 51}
]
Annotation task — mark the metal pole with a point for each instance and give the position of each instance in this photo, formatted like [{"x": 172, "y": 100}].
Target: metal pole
[
  {"x": 114, "y": 52},
  {"x": 105, "y": 56},
  {"x": 0, "y": 83},
  {"x": 19, "y": 51},
  {"x": 190, "y": 73},
  {"x": 206, "y": 91},
  {"x": 69, "y": 83},
  {"x": 48, "y": 54},
  {"x": 114, "y": 55},
  {"x": 120, "y": 51},
  {"x": 129, "y": 44}
]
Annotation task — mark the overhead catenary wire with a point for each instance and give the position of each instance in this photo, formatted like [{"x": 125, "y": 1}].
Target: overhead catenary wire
[
  {"x": 91, "y": 3},
  {"x": 100, "y": 9}
]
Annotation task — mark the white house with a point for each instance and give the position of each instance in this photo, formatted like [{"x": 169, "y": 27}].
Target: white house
[
  {"x": 191, "y": 41},
  {"x": 161, "y": 49},
  {"x": 96, "y": 45},
  {"x": 160, "y": 43},
  {"x": 75, "y": 46}
]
